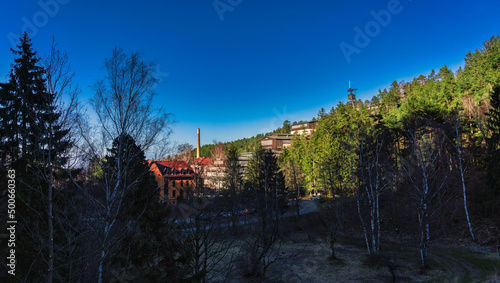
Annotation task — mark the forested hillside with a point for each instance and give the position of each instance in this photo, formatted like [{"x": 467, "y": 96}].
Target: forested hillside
[
  {"x": 249, "y": 144},
  {"x": 450, "y": 102},
  {"x": 428, "y": 149}
]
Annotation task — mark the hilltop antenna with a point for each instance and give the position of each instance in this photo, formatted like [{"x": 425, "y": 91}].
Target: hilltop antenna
[{"x": 351, "y": 94}]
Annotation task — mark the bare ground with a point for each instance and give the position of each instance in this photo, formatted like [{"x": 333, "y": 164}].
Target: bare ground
[{"x": 306, "y": 258}]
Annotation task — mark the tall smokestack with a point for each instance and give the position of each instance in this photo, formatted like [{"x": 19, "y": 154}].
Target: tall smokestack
[{"x": 198, "y": 144}]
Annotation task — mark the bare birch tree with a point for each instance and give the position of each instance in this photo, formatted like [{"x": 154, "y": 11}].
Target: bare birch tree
[
  {"x": 455, "y": 138},
  {"x": 424, "y": 169},
  {"x": 123, "y": 103},
  {"x": 373, "y": 162}
]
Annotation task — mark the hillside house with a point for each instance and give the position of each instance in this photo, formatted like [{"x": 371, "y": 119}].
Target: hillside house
[
  {"x": 276, "y": 142},
  {"x": 301, "y": 128}
]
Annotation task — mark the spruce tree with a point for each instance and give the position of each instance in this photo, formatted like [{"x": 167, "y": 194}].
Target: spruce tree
[
  {"x": 9, "y": 139},
  {"x": 136, "y": 179},
  {"x": 33, "y": 144},
  {"x": 494, "y": 144},
  {"x": 147, "y": 247}
]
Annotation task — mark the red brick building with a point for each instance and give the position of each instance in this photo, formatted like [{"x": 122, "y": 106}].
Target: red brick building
[{"x": 175, "y": 179}]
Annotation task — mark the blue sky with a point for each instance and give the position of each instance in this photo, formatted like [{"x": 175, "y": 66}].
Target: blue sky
[{"x": 235, "y": 68}]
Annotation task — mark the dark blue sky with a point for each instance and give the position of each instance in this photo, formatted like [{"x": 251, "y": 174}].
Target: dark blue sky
[{"x": 235, "y": 68}]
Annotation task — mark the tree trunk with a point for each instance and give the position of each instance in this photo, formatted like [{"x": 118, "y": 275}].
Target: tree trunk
[
  {"x": 425, "y": 235},
  {"x": 50, "y": 212},
  {"x": 459, "y": 151},
  {"x": 378, "y": 223},
  {"x": 364, "y": 228},
  {"x": 100, "y": 270},
  {"x": 332, "y": 236},
  {"x": 372, "y": 226},
  {"x": 51, "y": 229}
]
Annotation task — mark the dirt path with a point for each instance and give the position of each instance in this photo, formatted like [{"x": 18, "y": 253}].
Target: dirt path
[
  {"x": 308, "y": 206},
  {"x": 461, "y": 269}
]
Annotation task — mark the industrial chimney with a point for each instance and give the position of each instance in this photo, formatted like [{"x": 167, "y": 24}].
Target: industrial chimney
[{"x": 198, "y": 144}]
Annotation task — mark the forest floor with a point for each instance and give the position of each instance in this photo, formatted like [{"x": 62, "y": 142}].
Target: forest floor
[{"x": 305, "y": 257}]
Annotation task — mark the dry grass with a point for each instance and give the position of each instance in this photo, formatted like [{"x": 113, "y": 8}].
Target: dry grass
[{"x": 306, "y": 259}]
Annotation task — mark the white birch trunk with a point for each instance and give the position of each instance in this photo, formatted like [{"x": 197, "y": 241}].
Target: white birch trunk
[
  {"x": 378, "y": 224},
  {"x": 50, "y": 212},
  {"x": 101, "y": 262},
  {"x": 364, "y": 228},
  {"x": 372, "y": 224},
  {"x": 459, "y": 151}
]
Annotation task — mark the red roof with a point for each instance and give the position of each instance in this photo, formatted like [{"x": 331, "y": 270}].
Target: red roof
[
  {"x": 174, "y": 168},
  {"x": 177, "y": 165},
  {"x": 203, "y": 161}
]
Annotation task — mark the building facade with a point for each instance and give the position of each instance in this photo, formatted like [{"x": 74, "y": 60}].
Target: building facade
[
  {"x": 301, "y": 128},
  {"x": 174, "y": 178},
  {"x": 276, "y": 142}
]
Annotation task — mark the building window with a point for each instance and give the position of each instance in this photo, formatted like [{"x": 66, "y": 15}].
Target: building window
[
  {"x": 182, "y": 183},
  {"x": 173, "y": 193}
]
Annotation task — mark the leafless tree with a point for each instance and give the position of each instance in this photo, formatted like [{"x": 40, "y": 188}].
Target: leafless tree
[
  {"x": 373, "y": 163},
  {"x": 185, "y": 153},
  {"x": 424, "y": 169},
  {"x": 205, "y": 231},
  {"x": 263, "y": 245},
  {"x": 455, "y": 137},
  {"x": 124, "y": 105}
]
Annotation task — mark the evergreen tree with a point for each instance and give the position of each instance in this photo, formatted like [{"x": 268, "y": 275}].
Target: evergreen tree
[
  {"x": 292, "y": 173},
  {"x": 34, "y": 143},
  {"x": 10, "y": 104},
  {"x": 23, "y": 99},
  {"x": 31, "y": 90},
  {"x": 148, "y": 246},
  {"x": 136, "y": 177},
  {"x": 286, "y": 127},
  {"x": 262, "y": 171},
  {"x": 391, "y": 98},
  {"x": 446, "y": 87},
  {"x": 494, "y": 149},
  {"x": 232, "y": 183}
]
